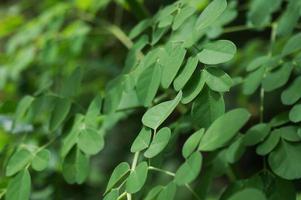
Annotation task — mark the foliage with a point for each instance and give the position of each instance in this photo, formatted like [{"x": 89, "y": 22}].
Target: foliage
[{"x": 198, "y": 100}]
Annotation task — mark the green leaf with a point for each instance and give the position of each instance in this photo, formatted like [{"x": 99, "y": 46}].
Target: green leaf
[
  {"x": 269, "y": 144},
  {"x": 277, "y": 78},
  {"x": 156, "y": 115},
  {"x": 19, "y": 187},
  {"x": 288, "y": 133},
  {"x": 223, "y": 129},
  {"x": 217, "y": 52},
  {"x": 137, "y": 178},
  {"x": 59, "y": 113},
  {"x": 248, "y": 194},
  {"x": 280, "y": 119},
  {"x": 207, "y": 107},
  {"x": 252, "y": 81},
  {"x": 148, "y": 84},
  {"x": 193, "y": 87},
  {"x": 211, "y": 14},
  {"x": 235, "y": 150},
  {"x": 71, "y": 85},
  {"x": 192, "y": 143},
  {"x": 93, "y": 111},
  {"x": 186, "y": 73},
  {"x": 154, "y": 192},
  {"x": 260, "y": 11},
  {"x": 23, "y": 107},
  {"x": 90, "y": 141},
  {"x": 289, "y": 18},
  {"x": 285, "y": 160},
  {"x": 159, "y": 142},
  {"x": 118, "y": 174},
  {"x": 258, "y": 62},
  {"x": 71, "y": 139},
  {"x": 171, "y": 59},
  {"x": 291, "y": 94},
  {"x": 292, "y": 45},
  {"x": 256, "y": 134},
  {"x": 183, "y": 14},
  {"x": 113, "y": 195},
  {"x": 139, "y": 28},
  {"x": 217, "y": 80},
  {"x": 142, "y": 141},
  {"x": 189, "y": 170},
  {"x": 168, "y": 192},
  {"x": 295, "y": 113},
  {"x": 75, "y": 167},
  {"x": 41, "y": 160},
  {"x": 18, "y": 161}
]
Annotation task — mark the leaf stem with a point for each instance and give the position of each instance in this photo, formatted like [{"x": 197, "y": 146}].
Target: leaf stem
[{"x": 133, "y": 167}]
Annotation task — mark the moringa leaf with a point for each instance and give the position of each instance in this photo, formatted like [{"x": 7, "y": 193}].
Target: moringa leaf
[
  {"x": 41, "y": 160},
  {"x": 189, "y": 170},
  {"x": 156, "y": 115},
  {"x": 192, "y": 143},
  {"x": 137, "y": 178},
  {"x": 18, "y": 161},
  {"x": 158, "y": 143},
  {"x": 295, "y": 113},
  {"x": 186, "y": 73},
  {"x": 118, "y": 173},
  {"x": 217, "y": 52},
  {"x": 217, "y": 80},
  {"x": 223, "y": 129},
  {"x": 19, "y": 187},
  {"x": 211, "y": 14},
  {"x": 292, "y": 94},
  {"x": 142, "y": 141}
]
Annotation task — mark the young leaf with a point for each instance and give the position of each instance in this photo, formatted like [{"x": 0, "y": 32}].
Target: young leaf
[
  {"x": 295, "y": 113},
  {"x": 256, "y": 134},
  {"x": 168, "y": 192},
  {"x": 41, "y": 160},
  {"x": 285, "y": 160},
  {"x": 223, "y": 129},
  {"x": 156, "y": 115},
  {"x": 142, "y": 140},
  {"x": 90, "y": 141},
  {"x": 18, "y": 161},
  {"x": 192, "y": 143},
  {"x": 171, "y": 60},
  {"x": 139, "y": 28},
  {"x": 189, "y": 170},
  {"x": 19, "y": 187},
  {"x": 186, "y": 73},
  {"x": 119, "y": 173},
  {"x": 269, "y": 144},
  {"x": 277, "y": 78},
  {"x": 148, "y": 84},
  {"x": 59, "y": 113},
  {"x": 217, "y": 80},
  {"x": 257, "y": 63},
  {"x": 75, "y": 167},
  {"x": 211, "y": 14},
  {"x": 207, "y": 107},
  {"x": 137, "y": 178},
  {"x": 159, "y": 142},
  {"x": 292, "y": 94},
  {"x": 217, "y": 52},
  {"x": 279, "y": 119},
  {"x": 193, "y": 87}
]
